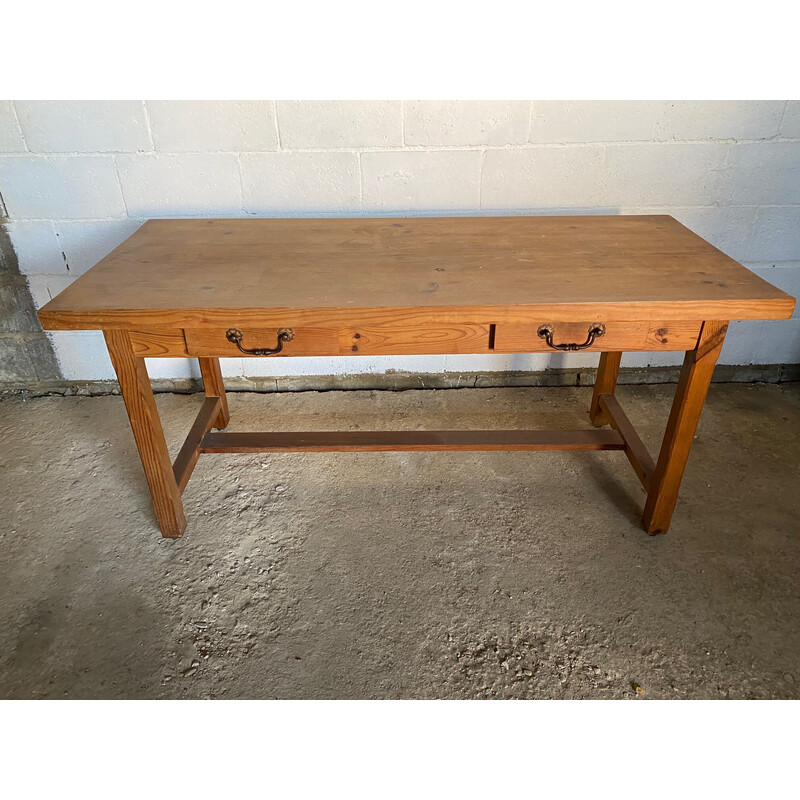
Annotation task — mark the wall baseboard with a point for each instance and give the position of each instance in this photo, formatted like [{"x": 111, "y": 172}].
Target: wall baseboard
[{"x": 401, "y": 381}]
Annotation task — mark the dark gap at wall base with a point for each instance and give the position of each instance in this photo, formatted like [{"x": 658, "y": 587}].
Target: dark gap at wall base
[{"x": 403, "y": 381}]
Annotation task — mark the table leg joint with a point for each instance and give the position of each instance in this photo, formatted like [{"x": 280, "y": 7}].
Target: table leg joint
[
  {"x": 134, "y": 383},
  {"x": 215, "y": 387},
  {"x": 605, "y": 383},
  {"x": 189, "y": 453},
  {"x": 690, "y": 395},
  {"x": 641, "y": 460}
]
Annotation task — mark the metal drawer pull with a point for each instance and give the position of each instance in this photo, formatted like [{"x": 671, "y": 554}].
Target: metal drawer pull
[
  {"x": 596, "y": 330},
  {"x": 235, "y": 336}
]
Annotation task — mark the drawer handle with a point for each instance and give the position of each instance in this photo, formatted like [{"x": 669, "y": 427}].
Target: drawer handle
[
  {"x": 596, "y": 330},
  {"x": 235, "y": 336}
]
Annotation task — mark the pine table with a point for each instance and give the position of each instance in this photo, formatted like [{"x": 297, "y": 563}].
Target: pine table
[{"x": 215, "y": 288}]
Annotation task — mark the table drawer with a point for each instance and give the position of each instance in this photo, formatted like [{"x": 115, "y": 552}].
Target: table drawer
[
  {"x": 414, "y": 339},
  {"x": 305, "y": 342},
  {"x": 617, "y": 336}
]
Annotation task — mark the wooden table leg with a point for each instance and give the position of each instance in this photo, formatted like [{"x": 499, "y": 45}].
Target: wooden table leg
[
  {"x": 698, "y": 366},
  {"x": 214, "y": 387},
  {"x": 146, "y": 424},
  {"x": 604, "y": 383}
]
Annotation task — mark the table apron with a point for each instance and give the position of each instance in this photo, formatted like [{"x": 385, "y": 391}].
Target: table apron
[{"x": 431, "y": 339}]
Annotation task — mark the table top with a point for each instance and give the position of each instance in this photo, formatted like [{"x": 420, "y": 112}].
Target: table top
[{"x": 208, "y": 272}]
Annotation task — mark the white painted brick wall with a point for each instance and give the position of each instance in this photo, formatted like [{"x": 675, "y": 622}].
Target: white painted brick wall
[
  {"x": 664, "y": 174},
  {"x": 776, "y": 231},
  {"x": 790, "y": 127},
  {"x": 200, "y": 126},
  {"x": 420, "y": 180},
  {"x": 187, "y": 184},
  {"x": 84, "y": 126},
  {"x": 699, "y": 119},
  {"x": 335, "y": 365},
  {"x": 84, "y": 243},
  {"x": 60, "y": 187},
  {"x": 435, "y": 123},
  {"x": 45, "y": 287},
  {"x": 77, "y": 178},
  {"x": 340, "y": 123},
  {"x": 11, "y": 139},
  {"x": 83, "y": 356},
  {"x": 557, "y": 122},
  {"x": 277, "y": 183},
  {"x": 762, "y": 173},
  {"x": 37, "y": 247},
  {"x": 732, "y": 225},
  {"x": 551, "y": 177}
]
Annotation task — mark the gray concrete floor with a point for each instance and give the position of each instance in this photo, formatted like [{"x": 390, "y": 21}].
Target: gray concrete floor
[{"x": 410, "y": 575}]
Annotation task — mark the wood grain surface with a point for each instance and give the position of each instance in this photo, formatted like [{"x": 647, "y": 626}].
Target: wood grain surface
[
  {"x": 148, "y": 433},
  {"x": 341, "y": 272},
  {"x": 604, "y": 383},
  {"x": 619, "y": 336},
  {"x": 414, "y": 339},
  {"x": 306, "y": 342},
  {"x": 353, "y": 441},
  {"x": 690, "y": 395}
]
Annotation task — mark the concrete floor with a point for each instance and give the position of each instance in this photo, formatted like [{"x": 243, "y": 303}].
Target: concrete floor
[{"x": 410, "y": 575}]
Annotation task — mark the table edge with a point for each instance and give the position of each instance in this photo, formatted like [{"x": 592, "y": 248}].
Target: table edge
[{"x": 93, "y": 319}]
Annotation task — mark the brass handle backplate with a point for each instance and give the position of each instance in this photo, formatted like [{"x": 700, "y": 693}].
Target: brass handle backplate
[
  {"x": 596, "y": 330},
  {"x": 235, "y": 336}
]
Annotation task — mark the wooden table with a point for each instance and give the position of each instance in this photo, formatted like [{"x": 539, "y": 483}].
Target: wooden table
[{"x": 318, "y": 287}]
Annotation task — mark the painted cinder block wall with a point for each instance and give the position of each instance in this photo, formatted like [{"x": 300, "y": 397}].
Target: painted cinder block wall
[{"x": 76, "y": 178}]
